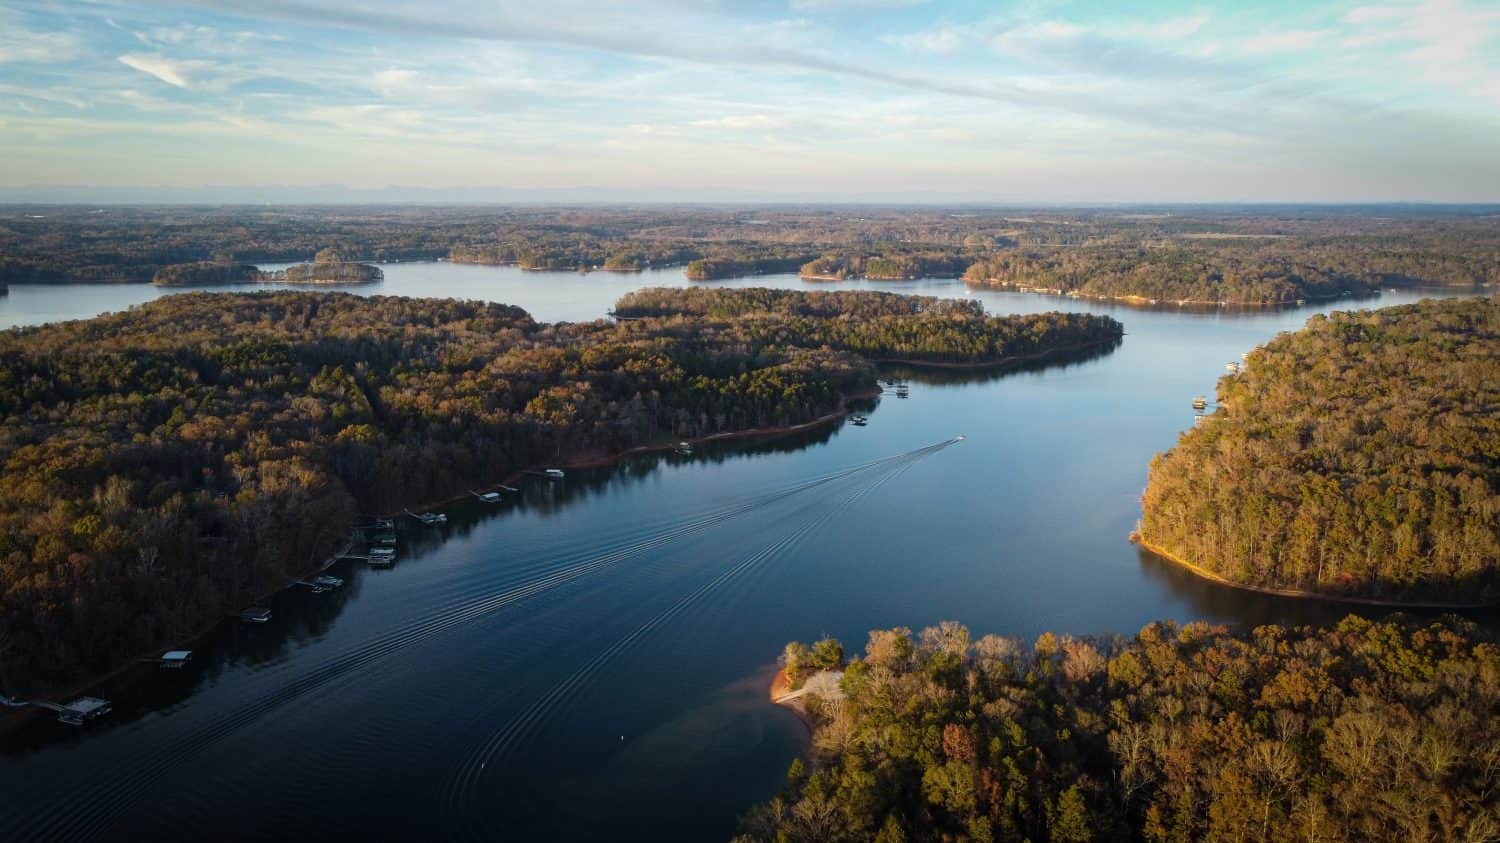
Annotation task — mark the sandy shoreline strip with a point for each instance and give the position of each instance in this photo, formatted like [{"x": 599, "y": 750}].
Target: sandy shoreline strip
[{"x": 781, "y": 687}]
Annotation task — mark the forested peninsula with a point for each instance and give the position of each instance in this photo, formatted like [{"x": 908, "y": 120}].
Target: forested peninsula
[
  {"x": 169, "y": 464},
  {"x": 1363, "y": 732},
  {"x": 1256, "y": 273},
  {"x": 1356, "y": 458},
  {"x": 884, "y": 327}
]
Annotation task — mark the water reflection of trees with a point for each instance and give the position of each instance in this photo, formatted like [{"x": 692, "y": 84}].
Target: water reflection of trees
[
  {"x": 1213, "y": 601},
  {"x": 893, "y": 373}
]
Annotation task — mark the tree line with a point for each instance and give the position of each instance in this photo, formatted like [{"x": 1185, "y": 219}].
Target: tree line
[
  {"x": 1262, "y": 272},
  {"x": 327, "y": 268},
  {"x": 1368, "y": 731},
  {"x": 1246, "y": 255},
  {"x": 879, "y": 326},
  {"x": 892, "y": 265},
  {"x": 1359, "y": 456}
]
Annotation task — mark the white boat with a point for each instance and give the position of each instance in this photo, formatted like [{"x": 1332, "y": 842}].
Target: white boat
[
  {"x": 554, "y": 473},
  {"x": 175, "y": 659},
  {"x": 329, "y": 581},
  {"x": 489, "y": 497},
  {"x": 255, "y": 614}
]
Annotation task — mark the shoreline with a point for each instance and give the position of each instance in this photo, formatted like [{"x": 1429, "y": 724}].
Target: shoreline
[
  {"x": 1146, "y": 301},
  {"x": 11, "y": 718},
  {"x": 1302, "y": 594},
  {"x": 14, "y": 718},
  {"x": 992, "y": 364},
  {"x": 780, "y": 687},
  {"x": 609, "y": 458}
]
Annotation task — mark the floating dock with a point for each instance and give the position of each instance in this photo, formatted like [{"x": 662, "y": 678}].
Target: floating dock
[{"x": 79, "y": 711}]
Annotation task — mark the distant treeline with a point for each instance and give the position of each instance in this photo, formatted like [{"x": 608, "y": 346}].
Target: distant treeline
[
  {"x": 200, "y": 273},
  {"x": 710, "y": 269},
  {"x": 328, "y": 267},
  {"x": 879, "y": 326},
  {"x": 1358, "y": 457},
  {"x": 1252, "y": 256},
  {"x": 894, "y": 266},
  {"x": 169, "y": 464},
  {"x": 1363, "y": 732},
  {"x": 1232, "y": 274},
  {"x": 582, "y": 253}
]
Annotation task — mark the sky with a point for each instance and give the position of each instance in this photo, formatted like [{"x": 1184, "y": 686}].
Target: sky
[{"x": 832, "y": 100}]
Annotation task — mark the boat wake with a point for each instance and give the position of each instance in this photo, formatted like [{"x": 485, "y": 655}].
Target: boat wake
[{"x": 85, "y": 812}]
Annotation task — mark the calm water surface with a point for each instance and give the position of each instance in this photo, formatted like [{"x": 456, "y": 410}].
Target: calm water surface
[{"x": 589, "y": 659}]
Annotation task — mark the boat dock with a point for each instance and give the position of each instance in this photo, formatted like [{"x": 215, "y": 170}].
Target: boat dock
[
  {"x": 550, "y": 474},
  {"x": 76, "y": 713}
]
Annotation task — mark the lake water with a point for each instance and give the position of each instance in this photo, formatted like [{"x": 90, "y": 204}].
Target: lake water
[{"x": 590, "y": 659}]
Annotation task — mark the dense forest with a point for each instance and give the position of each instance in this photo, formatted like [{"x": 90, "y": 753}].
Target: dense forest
[
  {"x": 199, "y": 273},
  {"x": 168, "y": 464},
  {"x": 327, "y": 267},
  {"x": 879, "y": 326},
  {"x": 1211, "y": 254},
  {"x": 892, "y": 266},
  {"x": 1357, "y": 457},
  {"x": 1237, "y": 272},
  {"x": 1370, "y": 731},
  {"x": 713, "y": 268}
]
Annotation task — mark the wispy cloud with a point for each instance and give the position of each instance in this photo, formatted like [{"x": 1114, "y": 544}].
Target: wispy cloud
[
  {"x": 21, "y": 45},
  {"x": 1276, "y": 41},
  {"x": 175, "y": 73}
]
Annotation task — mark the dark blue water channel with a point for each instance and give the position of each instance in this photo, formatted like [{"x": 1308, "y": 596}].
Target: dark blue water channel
[{"x": 589, "y": 659}]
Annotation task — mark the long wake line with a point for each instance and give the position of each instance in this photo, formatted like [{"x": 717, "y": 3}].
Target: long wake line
[{"x": 516, "y": 731}]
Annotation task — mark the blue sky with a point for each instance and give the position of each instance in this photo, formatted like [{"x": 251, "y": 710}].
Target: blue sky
[{"x": 798, "y": 99}]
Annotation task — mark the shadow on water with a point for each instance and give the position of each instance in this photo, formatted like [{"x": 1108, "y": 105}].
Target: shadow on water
[
  {"x": 1212, "y": 600},
  {"x": 893, "y": 373}
]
